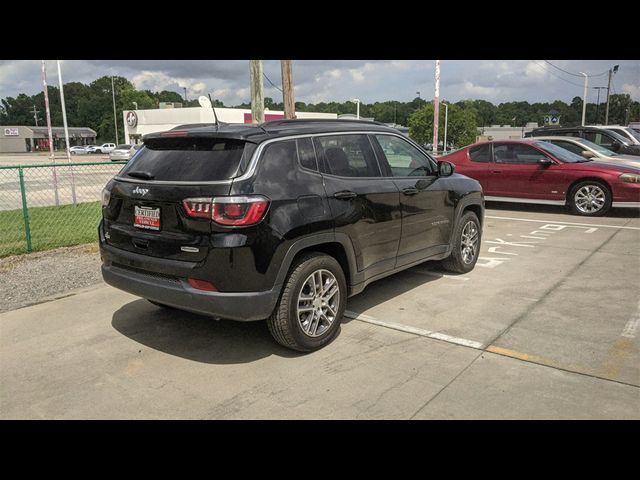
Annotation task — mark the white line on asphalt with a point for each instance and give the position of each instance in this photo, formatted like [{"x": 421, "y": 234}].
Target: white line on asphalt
[
  {"x": 414, "y": 330},
  {"x": 436, "y": 274},
  {"x": 632, "y": 325},
  {"x": 561, "y": 223}
]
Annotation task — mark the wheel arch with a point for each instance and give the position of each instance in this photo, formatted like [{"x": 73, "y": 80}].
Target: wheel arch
[
  {"x": 335, "y": 245},
  {"x": 586, "y": 179}
]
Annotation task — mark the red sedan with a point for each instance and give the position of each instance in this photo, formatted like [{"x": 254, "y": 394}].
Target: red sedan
[{"x": 535, "y": 171}]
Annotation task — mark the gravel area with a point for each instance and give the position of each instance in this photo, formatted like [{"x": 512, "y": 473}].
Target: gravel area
[{"x": 29, "y": 279}]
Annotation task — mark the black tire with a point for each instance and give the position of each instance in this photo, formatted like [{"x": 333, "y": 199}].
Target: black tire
[
  {"x": 600, "y": 191},
  {"x": 283, "y": 322},
  {"x": 458, "y": 262}
]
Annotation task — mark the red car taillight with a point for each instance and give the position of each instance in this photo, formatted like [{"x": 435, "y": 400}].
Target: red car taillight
[{"x": 231, "y": 211}]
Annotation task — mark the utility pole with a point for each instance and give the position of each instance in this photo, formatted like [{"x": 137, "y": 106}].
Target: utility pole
[
  {"x": 257, "y": 96},
  {"x": 64, "y": 112},
  {"x": 115, "y": 120},
  {"x": 46, "y": 107},
  {"x": 287, "y": 89},
  {"x": 35, "y": 114},
  {"x": 185, "y": 94},
  {"x": 436, "y": 109},
  {"x": 606, "y": 115},
  {"x": 52, "y": 156}
]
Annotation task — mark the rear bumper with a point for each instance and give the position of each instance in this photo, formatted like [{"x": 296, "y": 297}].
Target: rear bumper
[{"x": 178, "y": 293}]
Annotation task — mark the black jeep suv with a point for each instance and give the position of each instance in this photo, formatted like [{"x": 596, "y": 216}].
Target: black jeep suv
[{"x": 282, "y": 221}]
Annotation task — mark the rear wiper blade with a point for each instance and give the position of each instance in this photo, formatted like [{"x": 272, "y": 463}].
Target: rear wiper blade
[{"x": 142, "y": 175}]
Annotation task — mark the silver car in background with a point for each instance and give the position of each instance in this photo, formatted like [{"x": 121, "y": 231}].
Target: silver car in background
[
  {"x": 592, "y": 151},
  {"x": 123, "y": 152}
]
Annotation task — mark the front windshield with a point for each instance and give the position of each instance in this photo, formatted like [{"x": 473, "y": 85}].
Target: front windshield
[{"x": 559, "y": 152}]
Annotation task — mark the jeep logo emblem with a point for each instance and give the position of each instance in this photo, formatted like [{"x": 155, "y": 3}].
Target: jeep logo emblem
[{"x": 140, "y": 191}]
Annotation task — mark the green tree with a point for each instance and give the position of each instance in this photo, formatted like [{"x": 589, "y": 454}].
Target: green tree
[{"x": 461, "y": 126}]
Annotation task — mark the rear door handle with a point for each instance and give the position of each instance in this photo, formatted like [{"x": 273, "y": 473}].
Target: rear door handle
[
  {"x": 345, "y": 195},
  {"x": 410, "y": 191},
  {"x": 496, "y": 171}
]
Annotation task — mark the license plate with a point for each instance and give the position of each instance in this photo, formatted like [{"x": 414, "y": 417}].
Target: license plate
[{"x": 146, "y": 217}]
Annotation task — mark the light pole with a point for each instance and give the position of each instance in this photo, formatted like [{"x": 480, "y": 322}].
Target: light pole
[
  {"x": 115, "y": 120},
  {"x": 446, "y": 117},
  {"x": 136, "y": 104},
  {"x": 357, "y": 100},
  {"x": 584, "y": 96}
]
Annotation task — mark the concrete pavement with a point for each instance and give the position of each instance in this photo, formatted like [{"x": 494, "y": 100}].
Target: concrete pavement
[{"x": 551, "y": 332}]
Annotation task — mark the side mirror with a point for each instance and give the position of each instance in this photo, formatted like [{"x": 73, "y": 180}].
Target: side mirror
[
  {"x": 545, "y": 162},
  {"x": 615, "y": 146},
  {"x": 588, "y": 154},
  {"x": 445, "y": 169}
]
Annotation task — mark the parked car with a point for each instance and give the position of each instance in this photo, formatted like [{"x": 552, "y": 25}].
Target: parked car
[
  {"x": 535, "y": 171},
  {"x": 123, "y": 152},
  {"x": 598, "y": 135},
  {"x": 282, "y": 221},
  {"x": 590, "y": 150},
  {"x": 78, "y": 150},
  {"x": 626, "y": 132},
  {"x": 104, "y": 148}
]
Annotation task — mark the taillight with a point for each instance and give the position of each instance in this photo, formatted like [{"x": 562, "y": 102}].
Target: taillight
[
  {"x": 230, "y": 211},
  {"x": 198, "y": 207}
]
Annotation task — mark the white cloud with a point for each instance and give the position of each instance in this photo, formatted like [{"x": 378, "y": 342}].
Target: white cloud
[{"x": 477, "y": 90}]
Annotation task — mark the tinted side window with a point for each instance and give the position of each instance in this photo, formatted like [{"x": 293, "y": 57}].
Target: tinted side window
[
  {"x": 572, "y": 147},
  {"x": 403, "y": 158},
  {"x": 516, "y": 153},
  {"x": 347, "y": 155},
  {"x": 481, "y": 153},
  {"x": 306, "y": 153},
  {"x": 599, "y": 138}
]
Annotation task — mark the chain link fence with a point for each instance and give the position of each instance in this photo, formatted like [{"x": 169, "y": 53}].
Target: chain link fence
[{"x": 50, "y": 206}]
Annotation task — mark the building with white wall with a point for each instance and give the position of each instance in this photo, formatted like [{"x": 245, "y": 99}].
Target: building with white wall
[
  {"x": 503, "y": 132},
  {"x": 138, "y": 123}
]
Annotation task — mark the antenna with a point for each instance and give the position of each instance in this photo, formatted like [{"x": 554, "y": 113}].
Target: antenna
[{"x": 214, "y": 110}]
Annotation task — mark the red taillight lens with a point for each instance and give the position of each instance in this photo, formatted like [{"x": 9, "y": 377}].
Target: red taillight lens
[
  {"x": 230, "y": 211},
  {"x": 243, "y": 214},
  {"x": 202, "y": 285}
]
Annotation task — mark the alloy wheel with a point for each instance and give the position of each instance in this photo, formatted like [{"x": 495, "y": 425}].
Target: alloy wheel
[{"x": 318, "y": 303}]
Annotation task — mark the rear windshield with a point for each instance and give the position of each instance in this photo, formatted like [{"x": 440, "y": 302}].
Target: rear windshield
[{"x": 191, "y": 159}]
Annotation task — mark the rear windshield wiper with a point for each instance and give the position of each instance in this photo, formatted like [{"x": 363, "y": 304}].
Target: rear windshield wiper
[{"x": 142, "y": 175}]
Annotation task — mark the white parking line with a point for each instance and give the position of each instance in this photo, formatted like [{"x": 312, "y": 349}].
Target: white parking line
[
  {"x": 414, "y": 330},
  {"x": 632, "y": 325},
  {"x": 436, "y": 274},
  {"x": 561, "y": 222}
]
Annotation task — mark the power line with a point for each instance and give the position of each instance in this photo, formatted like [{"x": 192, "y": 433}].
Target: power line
[
  {"x": 555, "y": 75},
  {"x": 265, "y": 76},
  {"x": 575, "y": 74}
]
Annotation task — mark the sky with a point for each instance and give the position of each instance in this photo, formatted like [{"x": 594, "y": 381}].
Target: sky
[{"x": 339, "y": 80}]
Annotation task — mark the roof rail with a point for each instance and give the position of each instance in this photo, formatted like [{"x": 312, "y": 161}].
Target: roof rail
[{"x": 317, "y": 120}]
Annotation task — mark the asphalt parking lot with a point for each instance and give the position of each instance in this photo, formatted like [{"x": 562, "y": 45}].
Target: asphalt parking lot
[{"x": 545, "y": 327}]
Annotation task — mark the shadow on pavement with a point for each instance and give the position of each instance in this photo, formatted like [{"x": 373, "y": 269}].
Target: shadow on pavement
[
  {"x": 196, "y": 337},
  {"x": 391, "y": 287},
  {"x": 558, "y": 210}
]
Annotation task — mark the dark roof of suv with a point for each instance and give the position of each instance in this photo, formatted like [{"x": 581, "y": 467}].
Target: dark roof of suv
[{"x": 269, "y": 130}]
